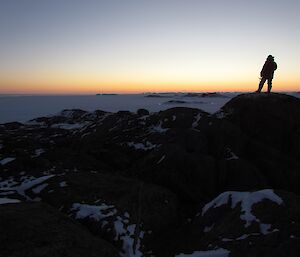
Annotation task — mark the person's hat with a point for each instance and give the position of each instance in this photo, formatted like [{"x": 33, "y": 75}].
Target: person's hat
[{"x": 270, "y": 57}]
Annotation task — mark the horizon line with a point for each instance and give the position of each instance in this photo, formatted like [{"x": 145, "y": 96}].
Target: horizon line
[{"x": 137, "y": 93}]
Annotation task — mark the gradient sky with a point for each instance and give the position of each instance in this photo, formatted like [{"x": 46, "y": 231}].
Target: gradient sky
[{"x": 89, "y": 46}]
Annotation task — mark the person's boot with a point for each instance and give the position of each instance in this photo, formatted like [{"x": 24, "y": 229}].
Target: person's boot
[
  {"x": 269, "y": 88},
  {"x": 259, "y": 88}
]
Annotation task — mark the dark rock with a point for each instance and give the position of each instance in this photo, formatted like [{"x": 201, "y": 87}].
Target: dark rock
[
  {"x": 152, "y": 172},
  {"x": 175, "y": 102},
  {"x": 142, "y": 112},
  {"x": 155, "y": 95},
  {"x": 180, "y": 117},
  {"x": 13, "y": 125},
  {"x": 150, "y": 207},
  {"x": 214, "y": 94},
  {"x": 36, "y": 229},
  {"x": 271, "y": 118},
  {"x": 178, "y": 170},
  {"x": 273, "y": 230}
]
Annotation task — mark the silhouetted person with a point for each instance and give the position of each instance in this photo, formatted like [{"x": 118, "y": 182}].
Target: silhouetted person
[{"x": 267, "y": 73}]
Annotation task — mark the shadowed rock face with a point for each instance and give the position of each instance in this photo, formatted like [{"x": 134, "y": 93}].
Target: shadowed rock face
[
  {"x": 36, "y": 229},
  {"x": 272, "y": 119},
  {"x": 272, "y": 123},
  {"x": 246, "y": 224},
  {"x": 138, "y": 180}
]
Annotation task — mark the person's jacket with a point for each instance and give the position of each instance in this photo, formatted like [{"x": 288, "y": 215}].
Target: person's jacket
[{"x": 268, "y": 69}]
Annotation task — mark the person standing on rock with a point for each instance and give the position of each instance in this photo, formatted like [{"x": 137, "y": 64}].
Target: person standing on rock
[{"x": 267, "y": 73}]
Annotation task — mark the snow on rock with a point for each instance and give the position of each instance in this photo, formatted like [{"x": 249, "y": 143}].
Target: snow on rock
[
  {"x": 67, "y": 113},
  {"x": 142, "y": 146},
  {"x": 96, "y": 212},
  {"x": 245, "y": 236},
  {"x": 39, "y": 188},
  {"x": 161, "y": 159},
  {"x": 247, "y": 200},
  {"x": 231, "y": 155},
  {"x": 63, "y": 184},
  {"x": 7, "y": 184},
  {"x": 25, "y": 184},
  {"x": 208, "y": 228},
  {"x": 7, "y": 193},
  {"x": 210, "y": 253},
  {"x": 195, "y": 123},
  {"x": 265, "y": 228},
  {"x": 38, "y": 152},
  {"x": 7, "y": 160},
  {"x": 8, "y": 200},
  {"x": 69, "y": 126},
  {"x": 158, "y": 128},
  {"x": 220, "y": 115},
  {"x": 123, "y": 230}
]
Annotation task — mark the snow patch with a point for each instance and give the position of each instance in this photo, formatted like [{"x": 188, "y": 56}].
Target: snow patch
[
  {"x": 7, "y": 160},
  {"x": 161, "y": 159},
  {"x": 7, "y": 193},
  {"x": 39, "y": 188},
  {"x": 220, "y": 115},
  {"x": 265, "y": 228},
  {"x": 247, "y": 200},
  {"x": 96, "y": 212},
  {"x": 195, "y": 123},
  {"x": 158, "y": 128},
  {"x": 25, "y": 184},
  {"x": 8, "y": 200},
  {"x": 123, "y": 230},
  {"x": 63, "y": 184},
  {"x": 208, "y": 229},
  {"x": 142, "y": 146},
  {"x": 210, "y": 253},
  {"x": 38, "y": 152},
  {"x": 69, "y": 126},
  {"x": 231, "y": 155}
]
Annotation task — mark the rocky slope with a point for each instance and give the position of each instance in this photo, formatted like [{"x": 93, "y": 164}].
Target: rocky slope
[{"x": 180, "y": 182}]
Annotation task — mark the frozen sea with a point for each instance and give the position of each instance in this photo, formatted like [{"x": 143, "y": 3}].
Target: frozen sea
[{"x": 23, "y": 108}]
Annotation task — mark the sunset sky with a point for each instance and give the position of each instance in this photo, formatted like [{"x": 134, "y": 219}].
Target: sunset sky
[{"x": 101, "y": 46}]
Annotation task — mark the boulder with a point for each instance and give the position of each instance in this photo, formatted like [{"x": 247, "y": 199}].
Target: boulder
[
  {"x": 38, "y": 230},
  {"x": 256, "y": 223},
  {"x": 142, "y": 112},
  {"x": 271, "y": 118},
  {"x": 105, "y": 203}
]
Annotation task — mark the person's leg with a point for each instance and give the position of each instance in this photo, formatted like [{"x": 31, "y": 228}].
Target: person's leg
[
  {"x": 269, "y": 85},
  {"x": 261, "y": 84}
]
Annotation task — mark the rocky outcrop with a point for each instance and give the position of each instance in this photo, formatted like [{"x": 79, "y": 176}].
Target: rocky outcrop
[
  {"x": 272, "y": 119},
  {"x": 139, "y": 180},
  {"x": 258, "y": 223}
]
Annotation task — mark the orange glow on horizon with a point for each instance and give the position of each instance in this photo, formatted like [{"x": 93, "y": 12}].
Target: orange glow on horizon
[
  {"x": 79, "y": 83},
  {"x": 127, "y": 87}
]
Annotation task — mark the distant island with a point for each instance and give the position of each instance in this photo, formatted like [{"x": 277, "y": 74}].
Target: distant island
[{"x": 107, "y": 94}]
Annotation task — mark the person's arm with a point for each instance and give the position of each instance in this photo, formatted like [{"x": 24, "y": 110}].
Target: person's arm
[{"x": 275, "y": 66}]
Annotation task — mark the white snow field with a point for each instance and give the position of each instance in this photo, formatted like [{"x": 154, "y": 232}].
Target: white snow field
[{"x": 23, "y": 108}]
